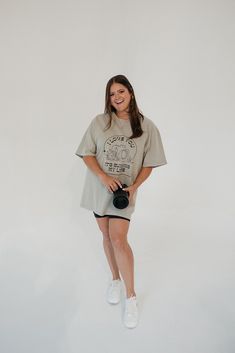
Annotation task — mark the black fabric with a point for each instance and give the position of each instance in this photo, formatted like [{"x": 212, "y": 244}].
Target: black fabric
[{"x": 110, "y": 216}]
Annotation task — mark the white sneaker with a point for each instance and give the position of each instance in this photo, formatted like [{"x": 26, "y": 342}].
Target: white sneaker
[
  {"x": 114, "y": 291},
  {"x": 131, "y": 314}
]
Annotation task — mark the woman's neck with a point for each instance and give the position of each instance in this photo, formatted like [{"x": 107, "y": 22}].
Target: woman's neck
[{"x": 122, "y": 115}]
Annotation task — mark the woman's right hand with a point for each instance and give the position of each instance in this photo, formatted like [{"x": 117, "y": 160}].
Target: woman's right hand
[{"x": 110, "y": 182}]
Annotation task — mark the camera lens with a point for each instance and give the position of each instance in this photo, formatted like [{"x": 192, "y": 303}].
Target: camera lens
[{"x": 120, "y": 198}]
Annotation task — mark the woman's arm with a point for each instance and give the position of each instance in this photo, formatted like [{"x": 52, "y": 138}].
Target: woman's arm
[
  {"x": 93, "y": 165},
  {"x": 109, "y": 182},
  {"x": 141, "y": 177}
]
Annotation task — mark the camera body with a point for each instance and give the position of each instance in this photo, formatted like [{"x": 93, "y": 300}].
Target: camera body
[{"x": 120, "y": 197}]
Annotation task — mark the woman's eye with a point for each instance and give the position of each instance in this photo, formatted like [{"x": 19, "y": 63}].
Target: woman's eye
[{"x": 111, "y": 94}]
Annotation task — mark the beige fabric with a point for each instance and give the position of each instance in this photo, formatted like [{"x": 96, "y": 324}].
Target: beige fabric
[{"x": 118, "y": 157}]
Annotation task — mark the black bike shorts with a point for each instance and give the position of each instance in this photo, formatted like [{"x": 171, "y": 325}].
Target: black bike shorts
[{"x": 110, "y": 216}]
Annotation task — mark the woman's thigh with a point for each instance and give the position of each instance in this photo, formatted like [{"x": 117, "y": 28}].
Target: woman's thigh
[
  {"x": 103, "y": 224},
  {"x": 118, "y": 230}
]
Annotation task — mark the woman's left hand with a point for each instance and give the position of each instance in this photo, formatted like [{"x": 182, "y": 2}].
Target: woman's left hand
[{"x": 131, "y": 189}]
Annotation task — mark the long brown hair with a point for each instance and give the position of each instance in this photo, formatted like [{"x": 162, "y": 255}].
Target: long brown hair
[{"x": 135, "y": 115}]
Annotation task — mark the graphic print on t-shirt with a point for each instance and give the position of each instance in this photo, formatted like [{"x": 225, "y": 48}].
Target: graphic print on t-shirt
[{"x": 119, "y": 153}]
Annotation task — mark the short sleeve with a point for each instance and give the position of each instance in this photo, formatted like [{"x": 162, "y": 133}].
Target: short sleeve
[
  {"x": 87, "y": 146},
  {"x": 154, "y": 155}
]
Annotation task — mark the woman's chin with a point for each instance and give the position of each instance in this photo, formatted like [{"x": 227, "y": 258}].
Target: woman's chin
[{"x": 122, "y": 110}]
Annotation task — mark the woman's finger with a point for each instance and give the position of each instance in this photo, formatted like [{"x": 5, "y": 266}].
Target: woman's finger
[
  {"x": 118, "y": 182},
  {"x": 115, "y": 186}
]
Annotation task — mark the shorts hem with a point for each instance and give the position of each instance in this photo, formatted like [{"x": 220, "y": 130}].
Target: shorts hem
[{"x": 110, "y": 216}]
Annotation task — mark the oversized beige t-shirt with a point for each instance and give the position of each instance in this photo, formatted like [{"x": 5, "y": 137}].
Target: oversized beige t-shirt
[{"x": 119, "y": 157}]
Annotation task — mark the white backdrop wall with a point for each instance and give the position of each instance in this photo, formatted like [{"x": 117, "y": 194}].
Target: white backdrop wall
[{"x": 56, "y": 58}]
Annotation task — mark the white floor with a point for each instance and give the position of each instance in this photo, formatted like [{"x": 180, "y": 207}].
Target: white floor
[{"x": 53, "y": 290}]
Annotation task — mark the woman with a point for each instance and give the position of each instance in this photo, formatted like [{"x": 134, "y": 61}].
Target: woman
[{"x": 120, "y": 146}]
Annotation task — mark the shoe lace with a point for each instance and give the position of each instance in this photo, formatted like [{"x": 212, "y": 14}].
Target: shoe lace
[
  {"x": 115, "y": 283},
  {"x": 131, "y": 306}
]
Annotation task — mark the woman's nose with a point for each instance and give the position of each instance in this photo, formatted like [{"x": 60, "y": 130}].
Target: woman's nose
[{"x": 118, "y": 95}]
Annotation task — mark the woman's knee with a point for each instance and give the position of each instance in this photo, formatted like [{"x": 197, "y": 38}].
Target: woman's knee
[
  {"x": 105, "y": 233},
  {"x": 119, "y": 242},
  {"x": 118, "y": 229},
  {"x": 106, "y": 236},
  {"x": 104, "y": 228}
]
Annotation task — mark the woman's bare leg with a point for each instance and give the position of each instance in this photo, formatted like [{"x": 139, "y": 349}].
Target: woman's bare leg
[
  {"x": 103, "y": 224},
  {"x": 118, "y": 229}
]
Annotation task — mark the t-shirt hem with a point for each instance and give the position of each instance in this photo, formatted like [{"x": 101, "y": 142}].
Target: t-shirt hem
[
  {"x": 81, "y": 155},
  {"x": 128, "y": 215},
  {"x": 153, "y": 165}
]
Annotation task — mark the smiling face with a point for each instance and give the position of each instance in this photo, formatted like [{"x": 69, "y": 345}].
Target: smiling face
[{"x": 120, "y": 98}]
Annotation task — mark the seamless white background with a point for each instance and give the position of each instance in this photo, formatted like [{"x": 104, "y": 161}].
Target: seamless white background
[{"x": 56, "y": 58}]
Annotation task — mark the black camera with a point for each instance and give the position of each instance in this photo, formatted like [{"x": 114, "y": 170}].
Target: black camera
[{"x": 120, "y": 197}]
